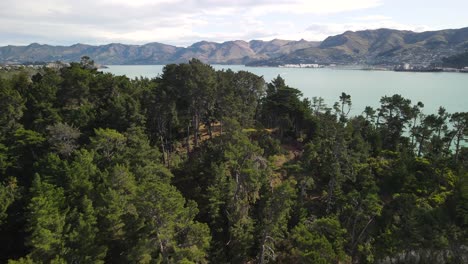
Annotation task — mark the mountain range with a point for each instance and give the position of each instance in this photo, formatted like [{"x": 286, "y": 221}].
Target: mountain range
[
  {"x": 373, "y": 47},
  {"x": 230, "y": 52},
  {"x": 380, "y": 47}
]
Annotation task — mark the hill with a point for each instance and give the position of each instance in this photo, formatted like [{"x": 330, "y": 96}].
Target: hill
[
  {"x": 456, "y": 61},
  {"x": 381, "y": 46},
  {"x": 230, "y": 52},
  {"x": 373, "y": 47}
]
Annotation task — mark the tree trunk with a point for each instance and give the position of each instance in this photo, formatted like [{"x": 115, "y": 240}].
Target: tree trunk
[
  {"x": 457, "y": 146},
  {"x": 420, "y": 146},
  {"x": 188, "y": 138},
  {"x": 163, "y": 148},
  {"x": 169, "y": 152},
  {"x": 331, "y": 186},
  {"x": 195, "y": 129},
  {"x": 210, "y": 132}
]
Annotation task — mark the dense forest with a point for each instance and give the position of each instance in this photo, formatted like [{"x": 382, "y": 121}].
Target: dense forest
[{"x": 206, "y": 166}]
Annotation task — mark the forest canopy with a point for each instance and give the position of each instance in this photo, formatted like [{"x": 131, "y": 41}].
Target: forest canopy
[{"x": 205, "y": 166}]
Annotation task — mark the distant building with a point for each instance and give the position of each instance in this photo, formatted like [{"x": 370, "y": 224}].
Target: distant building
[
  {"x": 301, "y": 65},
  {"x": 57, "y": 65}
]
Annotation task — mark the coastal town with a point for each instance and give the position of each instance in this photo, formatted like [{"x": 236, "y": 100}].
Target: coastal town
[
  {"x": 405, "y": 67},
  {"x": 36, "y": 66}
]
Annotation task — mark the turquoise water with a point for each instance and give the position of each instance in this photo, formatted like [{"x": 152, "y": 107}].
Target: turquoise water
[{"x": 365, "y": 87}]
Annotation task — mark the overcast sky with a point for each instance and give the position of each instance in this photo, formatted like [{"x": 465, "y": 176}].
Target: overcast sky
[{"x": 183, "y": 22}]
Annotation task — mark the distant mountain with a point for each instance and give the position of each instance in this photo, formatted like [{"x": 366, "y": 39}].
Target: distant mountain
[
  {"x": 106, "y": 54},
  {"x": 381, "y": 46},
  {"x": 230, "y": 52}
]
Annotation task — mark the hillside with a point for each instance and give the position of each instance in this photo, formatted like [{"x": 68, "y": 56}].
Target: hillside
[
  {"x": 230, "y": 52},
  {"x": 456, "y": 61},
  {"x": 381, "y": 46}
]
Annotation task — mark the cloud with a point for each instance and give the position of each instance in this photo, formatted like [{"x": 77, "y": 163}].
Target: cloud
[
  {"x": 178, "y": 22},
  {"x": 372, "y": 18},
  {"x": 321, "y": 31},
  {"x": 318, "y": 28},
  {"x": 316, "y": 7}
]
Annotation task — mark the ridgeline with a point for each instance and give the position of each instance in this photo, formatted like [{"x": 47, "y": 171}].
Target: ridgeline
[{"x": 367, "y": 47}]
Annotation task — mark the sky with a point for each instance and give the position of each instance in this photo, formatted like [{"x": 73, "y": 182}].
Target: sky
[{"x": 183, "y": 22}]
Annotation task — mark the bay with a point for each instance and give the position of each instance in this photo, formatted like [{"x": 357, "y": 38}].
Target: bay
[{"x": 434, "y": 89}]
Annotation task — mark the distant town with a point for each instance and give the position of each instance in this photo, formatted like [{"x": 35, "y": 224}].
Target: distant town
[
  {"x": 38, "y": 65},
  {"x": 313, "y": 65},
  {"x": 405, "y": 67}
]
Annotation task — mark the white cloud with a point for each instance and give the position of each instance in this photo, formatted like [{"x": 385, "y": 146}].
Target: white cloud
[
  {"x": 179, "y": 22},
  {"x": 372, "y": 18},
  {"x": 134, "y": 3},
  {"x": 321, "y": 31},
  {"x": 316, "y": 7}
]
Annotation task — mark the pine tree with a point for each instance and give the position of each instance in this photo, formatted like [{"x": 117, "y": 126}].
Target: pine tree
[{"x": 46, "y": 221}]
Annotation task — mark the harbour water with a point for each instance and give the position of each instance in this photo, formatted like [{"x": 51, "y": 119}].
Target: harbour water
[{"x": 434, "y": 89}]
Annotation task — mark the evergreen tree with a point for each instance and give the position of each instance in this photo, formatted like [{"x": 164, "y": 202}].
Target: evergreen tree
[{"x": 47, "y": 212}]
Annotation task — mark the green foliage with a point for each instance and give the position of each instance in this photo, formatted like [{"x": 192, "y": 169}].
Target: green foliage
[
  {"x": 199, "y": 166},
  {"x": 8, "y": 193},
  {"x": 283, "y": 108},
  {"x": 395, "y": 113},
  {"x": 276, "y": 214},
  {"x": 62, "y": 138},
  {"x": 46, "y": 221},
  {"x": 167, "y": 230},
  {"x": 462, "y": 201},
  {"x": 41, "y": 101},
  {"x": 11, "y": 105},
  {"x": 320, "y": 241},
  {"x": 81, "y": 238},
  {"x": 107, "y": 143}
]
